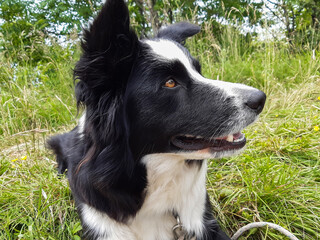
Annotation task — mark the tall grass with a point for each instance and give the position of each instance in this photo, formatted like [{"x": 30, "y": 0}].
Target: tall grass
[
  {"x": 36, "y": 100},
  {"x": 276, "y": 179},
  {"x": 37, "y": 96}
]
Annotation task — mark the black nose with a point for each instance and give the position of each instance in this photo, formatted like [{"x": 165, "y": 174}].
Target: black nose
[{"x": 256, "y": 101}]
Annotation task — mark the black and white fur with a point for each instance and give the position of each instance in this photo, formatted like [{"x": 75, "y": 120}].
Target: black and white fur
[{"x": 128, "y": 177}]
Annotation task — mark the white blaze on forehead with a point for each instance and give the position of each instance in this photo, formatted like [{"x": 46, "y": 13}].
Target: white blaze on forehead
[{"x": 169, "y": 50}]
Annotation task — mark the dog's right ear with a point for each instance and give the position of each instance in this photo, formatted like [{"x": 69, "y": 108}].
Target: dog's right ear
[{"x": 109, "y": 47}]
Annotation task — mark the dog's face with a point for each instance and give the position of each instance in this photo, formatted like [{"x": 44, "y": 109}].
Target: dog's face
[
  {"x": 152, "y": 94},
  {"x": 172, "y": 108}
]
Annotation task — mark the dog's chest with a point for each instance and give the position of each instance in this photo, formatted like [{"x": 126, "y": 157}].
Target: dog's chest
[{"x": 174, "y": 187}]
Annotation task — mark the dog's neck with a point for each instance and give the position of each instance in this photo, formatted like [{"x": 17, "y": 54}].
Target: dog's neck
[
  {"x": 175, "y": 184},
  {"x": 176, "y": 187}
]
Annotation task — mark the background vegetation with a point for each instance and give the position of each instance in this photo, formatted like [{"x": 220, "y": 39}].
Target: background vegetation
[{"x": 277, "y": 179}]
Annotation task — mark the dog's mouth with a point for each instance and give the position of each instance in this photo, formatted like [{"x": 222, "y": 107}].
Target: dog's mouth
[{"x": 226, "y": 143}]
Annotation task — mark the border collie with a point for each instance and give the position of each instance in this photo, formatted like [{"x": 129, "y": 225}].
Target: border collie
[{"x": 135, "y": 162}]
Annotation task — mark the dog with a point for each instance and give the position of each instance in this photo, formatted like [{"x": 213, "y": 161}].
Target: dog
[{"x": 136, "y": 160}]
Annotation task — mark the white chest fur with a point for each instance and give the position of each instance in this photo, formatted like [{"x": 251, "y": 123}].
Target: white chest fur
[{"x": 172, "y": 186}]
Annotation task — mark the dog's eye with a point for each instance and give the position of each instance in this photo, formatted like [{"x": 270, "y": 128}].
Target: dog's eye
[{"x": 170, "y": 83}]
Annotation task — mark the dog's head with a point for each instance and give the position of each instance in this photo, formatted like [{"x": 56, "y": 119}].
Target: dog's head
[{"x": 151, "y": 94}]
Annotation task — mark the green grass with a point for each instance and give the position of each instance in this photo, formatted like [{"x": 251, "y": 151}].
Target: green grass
[{"x": 276, "y": 179}]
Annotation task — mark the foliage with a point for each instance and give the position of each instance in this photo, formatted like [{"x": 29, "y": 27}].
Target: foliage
[
  {"x": 170, "y": 11},
  {"x": 299, "y": 17},
  {"x": 242, "y": 11},
  {"x": 27, "y": 25},
  {"x": 57, "y": 17}
]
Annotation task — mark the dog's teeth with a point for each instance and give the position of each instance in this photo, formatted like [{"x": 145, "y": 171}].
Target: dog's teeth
[
  {"x": 230, "y": 138},
  {"x": 240, "y": 139},
  {"x": 189, "y": 136}
]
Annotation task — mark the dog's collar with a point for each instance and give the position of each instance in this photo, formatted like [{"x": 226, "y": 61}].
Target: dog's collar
[{"x": 179, "y": 231}]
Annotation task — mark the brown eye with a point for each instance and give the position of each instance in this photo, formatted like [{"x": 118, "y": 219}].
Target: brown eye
[{"x": 170, "y": 83}]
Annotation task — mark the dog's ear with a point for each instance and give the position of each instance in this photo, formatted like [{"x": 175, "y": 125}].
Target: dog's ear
[
  {"x": 179, "y": 32},
  {"x": 109, "y": 47}
]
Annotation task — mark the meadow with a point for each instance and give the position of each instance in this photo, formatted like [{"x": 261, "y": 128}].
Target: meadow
[{"x": 276, "y": 179}]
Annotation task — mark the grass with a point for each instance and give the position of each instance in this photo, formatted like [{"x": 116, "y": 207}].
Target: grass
[{"x": 276, "y": 179}]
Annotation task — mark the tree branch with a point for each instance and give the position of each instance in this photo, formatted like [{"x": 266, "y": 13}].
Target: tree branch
[
  {"x": 274, "y": 14},
  {"x": 153, "y": 15},
  {"x": 274, "y": 3}
]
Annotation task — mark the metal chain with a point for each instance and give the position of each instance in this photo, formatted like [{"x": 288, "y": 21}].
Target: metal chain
[{"x": 180, "y": 233}]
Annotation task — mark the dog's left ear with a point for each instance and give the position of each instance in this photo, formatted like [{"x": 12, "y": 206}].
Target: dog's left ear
[
  {"x": 179, "y": 32},
  {"x": 109, "y": 47}
]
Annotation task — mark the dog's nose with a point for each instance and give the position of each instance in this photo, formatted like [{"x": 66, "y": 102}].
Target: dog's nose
[{"x": 256, "y": 101}]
